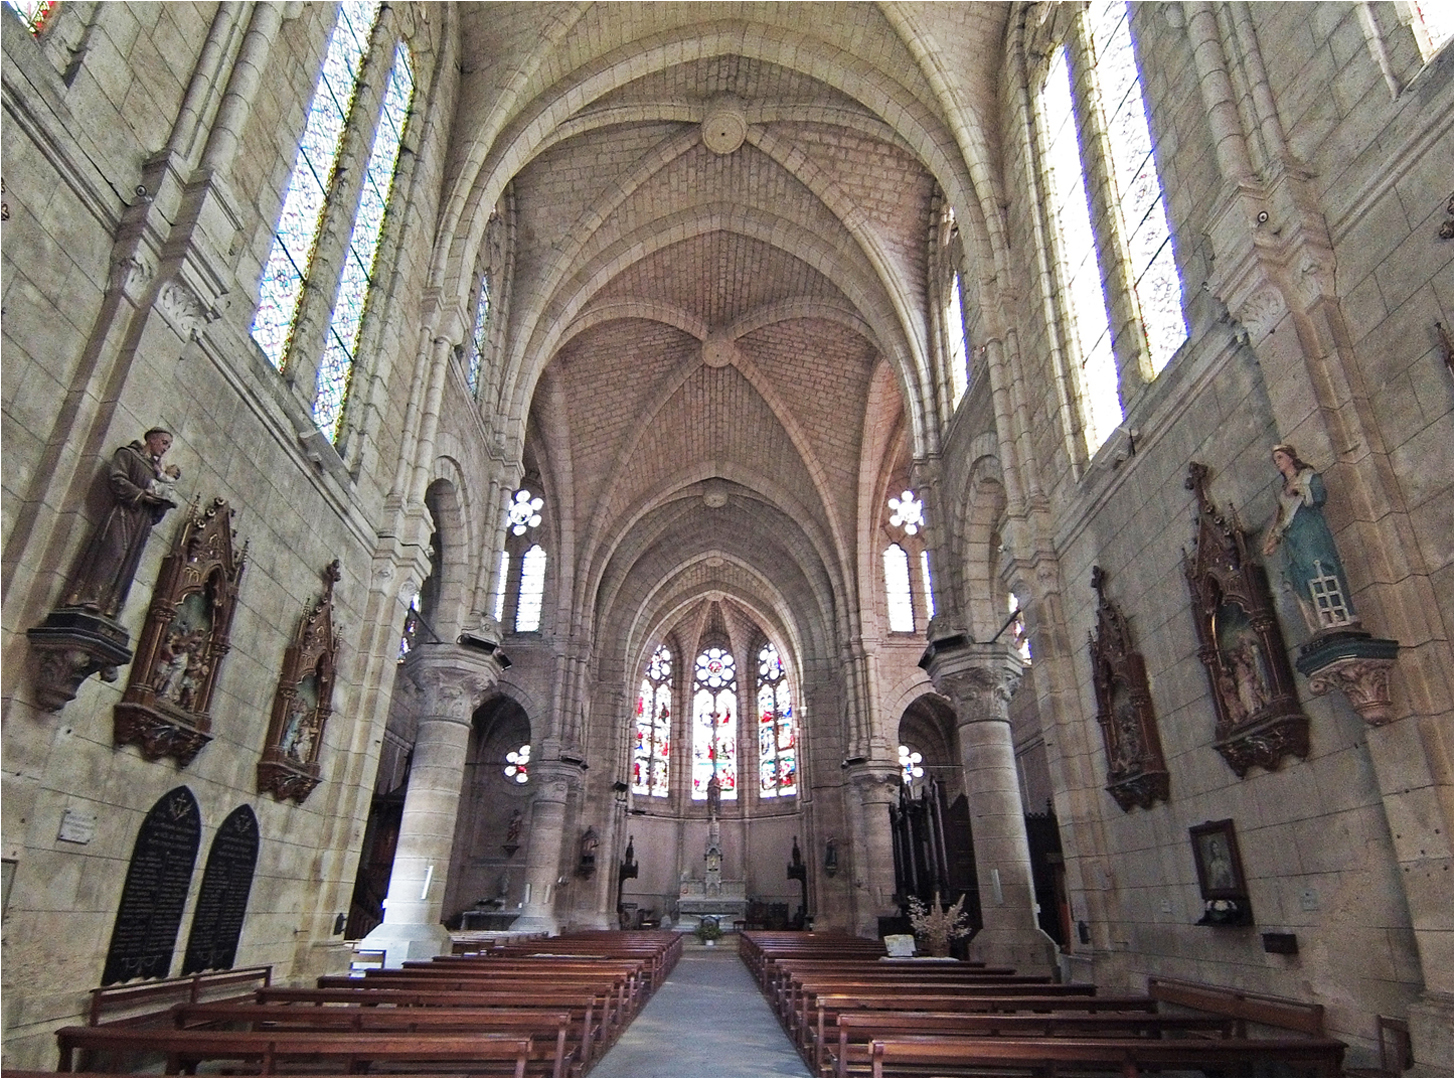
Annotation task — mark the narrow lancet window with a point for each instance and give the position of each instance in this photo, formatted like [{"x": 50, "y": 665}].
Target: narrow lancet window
[
  {"x": 777, "y": 729},
  {"x": 532, "y": 589},
  {"x": 714, "y": 723},
  {"x": 652, "y": 743},
  {"x": 896, "y": 589}
]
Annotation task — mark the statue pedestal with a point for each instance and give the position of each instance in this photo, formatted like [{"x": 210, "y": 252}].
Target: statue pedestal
[
  {"x": 71, "y": 645},
  {"x": 1356, "y": 664}
]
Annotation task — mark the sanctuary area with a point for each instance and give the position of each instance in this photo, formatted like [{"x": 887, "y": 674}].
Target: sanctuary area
[{"x": 573, "y": 467}]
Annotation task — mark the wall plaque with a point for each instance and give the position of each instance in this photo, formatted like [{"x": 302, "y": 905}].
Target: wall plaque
[
  {"x": 155, "y": 892},
  {"x": 222, "y": 901}
]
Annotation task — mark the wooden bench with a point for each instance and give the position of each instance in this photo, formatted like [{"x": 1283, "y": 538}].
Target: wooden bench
[
  {"x": 857, "y": 1030},
  {"x": 554, "y": 1051},
  {"x": 947, "y": 1056},
  {"x": 154, "y": 997},
  {"x": 1241, "y": 1005},
  {"x": 587, "y": 1010},
  {"x": 351, "y": 1050}
]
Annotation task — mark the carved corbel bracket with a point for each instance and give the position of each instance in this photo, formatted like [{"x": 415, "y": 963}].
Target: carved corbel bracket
[
  {"x": 1358, "y": 665},
  {"x": 70, "y": 646}
]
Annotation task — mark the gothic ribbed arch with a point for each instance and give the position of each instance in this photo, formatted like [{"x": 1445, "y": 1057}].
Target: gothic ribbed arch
[
  {"x": 656, "y": 511},
  {"x": 667, "y": 600},
  {"x": 604, "y": 521},
  {"x": 864, "y": 291},
  {"x": 658, "y": 550},
  {"x": 481, "y": 177},
  {"x": 604, "y": 311},
  {"x": 883, "y": 436},
  {"x": 984, "y": 510},
  {"x": 453, "y": 592}
]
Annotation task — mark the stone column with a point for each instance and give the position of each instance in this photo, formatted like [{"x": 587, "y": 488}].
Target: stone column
[
  {"x": 874, "y": 788},
  {"x": 452, "y": 681},
  {"x": 553, "y": 781},
  {"x": 980, "y": 679}
]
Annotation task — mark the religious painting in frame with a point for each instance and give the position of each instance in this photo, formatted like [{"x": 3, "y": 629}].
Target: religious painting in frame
[
  {"x": 1220, "y": 876},
  {"x": 289, "y": 768},
  {"x": 164, "y": 710},
  {"x": 1259, "y": 718}
]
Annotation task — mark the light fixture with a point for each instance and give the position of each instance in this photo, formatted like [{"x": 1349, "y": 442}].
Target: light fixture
[
  {"x": 909, "y": 761},
  {"x": 518, "y": 769},
  {"x": 909, "y": 513},
  {"x": 524, "y": 511}
]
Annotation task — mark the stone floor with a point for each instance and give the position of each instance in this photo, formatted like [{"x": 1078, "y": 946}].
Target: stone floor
[{"x": 708, "y": 1019}]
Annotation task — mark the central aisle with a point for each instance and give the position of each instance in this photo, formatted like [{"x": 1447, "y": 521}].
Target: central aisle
[{"x": 708, "y": 1019}]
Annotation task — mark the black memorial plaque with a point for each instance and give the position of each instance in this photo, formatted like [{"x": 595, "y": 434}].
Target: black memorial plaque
[
  {"x": 156, "y": 890},
  {"x": 223, "y": 899}
]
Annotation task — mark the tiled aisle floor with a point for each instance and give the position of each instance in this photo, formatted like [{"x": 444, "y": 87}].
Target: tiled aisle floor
[{"x": 708, "y": 1019}]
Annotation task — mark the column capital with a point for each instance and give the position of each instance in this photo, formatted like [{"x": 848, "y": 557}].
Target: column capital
[
  {"x": 979, "y": 678},
  {"x": 554, "y": 780},
  {"x": 876, "y": 781},
  {"x": 452, "y": 679}
]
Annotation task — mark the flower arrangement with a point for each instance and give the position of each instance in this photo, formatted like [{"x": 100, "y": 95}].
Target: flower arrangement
[
  {"x": 708, "y": 929},
  {"x": 937, "y": 926}
]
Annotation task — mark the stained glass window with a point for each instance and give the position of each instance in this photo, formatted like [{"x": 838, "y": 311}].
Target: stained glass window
[
  {"x": 500, "y": 580},
  {"x": 532, "y": 589},
  {"x": 1018, "y": 633},
  {"x": 924, "y": 569},
  {"x": 358, "y": 273},
  {"x": 1438, "y": 23},
  {"x": 777, "y": 729},
  {"x": 714, "y": 723},
  {"x": 482, "y": 334},
  {"x": 652, "y": 737},
  {"x": 911, "y": 764},
  {"x": 1139, "y": 192},
  {"x": 411, "y": 628},
  {"x": 955, "y": 335},
  {"x": 896, "y": 588},
  {"x": 281, "y": 288},
  {"x": 33, "y": 13},
  {"x": 1085, "y": 299}
]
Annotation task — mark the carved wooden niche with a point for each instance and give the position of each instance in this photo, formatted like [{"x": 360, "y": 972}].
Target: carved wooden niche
[
  {"x": 164, "y": 709},
  {"x": 1259, "y": 719},
  {"x": 1136, "y": 772},
  {"x": 289, "y": 767}
]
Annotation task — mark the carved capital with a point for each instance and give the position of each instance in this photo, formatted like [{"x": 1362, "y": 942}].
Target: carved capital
[
  {"x": 452, "y": 679},
  {"x": 1261, "y": 311},
  {"x": 979, "y": 678},
  {"x": 1365, "y": 682},
  {"x": 183, "y": 308},
  {"x": 130, "y": 275}
]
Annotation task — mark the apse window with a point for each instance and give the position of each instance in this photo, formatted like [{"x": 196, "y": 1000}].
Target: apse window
[
  {"x": 714, "y": 723},
  {"x": 777, "y": 729},
  {"x": 652, "y": 735}
]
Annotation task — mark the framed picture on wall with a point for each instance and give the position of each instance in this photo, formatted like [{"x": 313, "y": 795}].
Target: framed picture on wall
[{"x": 1219, "y": 866}]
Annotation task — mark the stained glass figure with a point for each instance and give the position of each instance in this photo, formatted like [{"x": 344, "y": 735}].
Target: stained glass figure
[
  {"x": 34, "y": 13},
  {"x": 281, "y": 287},
  {"x": 714, "y": 723},
  {"x": 652, "y": 739},
  {"x": 411, "y": 628},
  {"x": 482, "y": 334},
  {"x": 896, "y": 589},
  {"x": 1139, "y": 192},
  {"x": 532, "y": 589},
  {"x": 1101, "y": 405},
  {"x": 517, "y": 766},
  {"x": 358, "y": 273},
  {"x": 777, "y": 734}
]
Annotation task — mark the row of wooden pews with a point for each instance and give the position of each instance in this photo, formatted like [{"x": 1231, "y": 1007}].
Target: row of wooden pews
[
  {"x": 853, "y": 1011},
  {"x": 545, "y": 1008}
]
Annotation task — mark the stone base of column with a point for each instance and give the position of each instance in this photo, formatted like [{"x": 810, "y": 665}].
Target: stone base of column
[
  {"x": 1430, "y": 1035},
  {"x": 407, "y": 941},
  {"x": 1030, "y": 952}
]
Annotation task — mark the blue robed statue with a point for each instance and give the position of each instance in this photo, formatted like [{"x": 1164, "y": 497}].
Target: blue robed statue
[{"x": 1300, "y": 536}]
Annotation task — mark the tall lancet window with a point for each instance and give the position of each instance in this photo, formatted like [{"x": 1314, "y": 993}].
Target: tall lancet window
[
  {"x": 652, "y": 745},
  {"x": 715, "y": 723},
  {"x": 777, "y": 729},
  {"x": 958, "y": 355},
  {"x": 481, "y": 338}
]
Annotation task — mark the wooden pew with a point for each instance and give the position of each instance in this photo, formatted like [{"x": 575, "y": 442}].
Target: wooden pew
[
  {"x": 552, "y": 1046},
  {"x": 351, "y": 1050},
  {"x": 587, "y": 1009},
  {"x": 154, "y": 997},
  {"x": 1242, "y": 1006},
  {"x": 857, "y": 1030},
  {"x": 949, "y": 1056},
  {"x": 787, "y": 998}
]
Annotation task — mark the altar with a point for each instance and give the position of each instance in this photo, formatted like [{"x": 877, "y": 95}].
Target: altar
[{"x": 711, "y": 896}]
